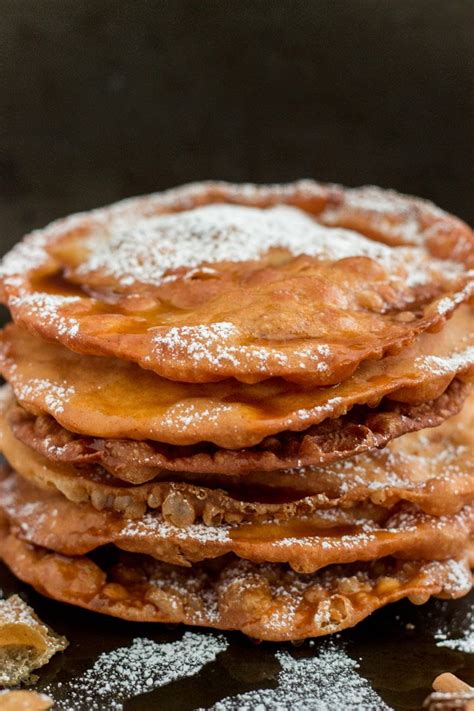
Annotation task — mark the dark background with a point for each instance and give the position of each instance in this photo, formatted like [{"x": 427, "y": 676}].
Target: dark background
[{"x": 101, "y": 99}]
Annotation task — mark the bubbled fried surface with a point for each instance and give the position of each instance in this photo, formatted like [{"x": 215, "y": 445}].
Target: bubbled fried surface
[
  {"x": 214, "y": 281},
  {"x": 433, "y": 469},
  {"x": 269, "y": 602},
  {"x": 362, "y": 429},
  {"x": 327, "y": 537}
]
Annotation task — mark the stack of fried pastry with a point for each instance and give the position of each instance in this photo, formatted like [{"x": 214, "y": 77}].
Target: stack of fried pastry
[{"x": 241, "y": 407}]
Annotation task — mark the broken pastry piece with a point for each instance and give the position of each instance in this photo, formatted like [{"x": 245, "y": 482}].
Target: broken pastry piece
[
  {"x": 450, "y": 694},
  {"x": 26, "y": 643}
]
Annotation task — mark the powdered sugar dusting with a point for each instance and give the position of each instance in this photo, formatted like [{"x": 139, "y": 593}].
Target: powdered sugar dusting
[
  {"x": 149, "y": 250},
  {"x": 55, "y": 394},
  {"x": 154, "y": 525},
  {"x": 28, "y": 254},
  {"x": 184, "y": 416},
  {"x": 127, "y": 672},
  {"x": 454, "y": 363},
  {"x": 464, "y": 643},
  {"x": 457, "y": 578},
  {"x": 201, "y": 338},
  {"x": 213, "y": 343},
  {"x": 146, "y": 250},
  {"x": 15, "y": 611},
  {"x": 391, "y": 213},
  {"x": 325, "y": 682},
  {"x": 46, "y": 308}
]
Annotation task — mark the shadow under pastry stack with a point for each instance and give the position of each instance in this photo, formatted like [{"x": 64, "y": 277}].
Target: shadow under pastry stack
[{"x": 242, "y": 407}]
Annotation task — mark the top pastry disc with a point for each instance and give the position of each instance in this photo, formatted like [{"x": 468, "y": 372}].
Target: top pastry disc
[{"x": 215, "y": 281}]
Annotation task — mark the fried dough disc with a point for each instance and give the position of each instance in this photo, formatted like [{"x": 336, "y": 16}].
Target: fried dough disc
[
  {"x": 180, "y": 503},
  {"x": 362, "y": 429},
  {"x": 216, "y": 281},
  {"x": 433, "y": 469},
  {"x": 269, "y": 602},
  {"x": 49, "y": 520},
  {"x": 111, "y": 398}
]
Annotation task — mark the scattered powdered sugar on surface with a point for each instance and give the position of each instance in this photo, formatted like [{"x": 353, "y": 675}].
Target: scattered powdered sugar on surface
[
  {"x": 28, "y": 511},
  {"x": 213, "y": 343},
  {"x": 450, "y": 302},
  {"x": 14, "y": 610},
  {"x": 154, "y": 525},
  {"x": 455, "y": 575},
  {"x": 327, "y": 543},
  {"x": 184, "y": 416},
  {"x": 33, "y": 390},
  {"x": 144, "y": 250},
  {"x": 455, "y": 362},
  {"x": 383, "y": 205},
  {"x": 325, "y": 682},
  {"x": 460, "y": 644},
  {"x": 328, "y": 408},
  {"x": 28, "y": 254},
  {"x": 134, "y": 241},
  {"x": 46, "y": 310},
  {"x": 55, "y": 395},
  {"x": 201, "y": 336},
  {"x": 127, "y": 672},
  {"x": 465, "y": 643}
]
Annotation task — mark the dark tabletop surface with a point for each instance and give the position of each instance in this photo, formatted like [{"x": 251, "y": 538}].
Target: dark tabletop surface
[
  {"x": 399, "y": 662},
  {"x": 102, "y": 99}
]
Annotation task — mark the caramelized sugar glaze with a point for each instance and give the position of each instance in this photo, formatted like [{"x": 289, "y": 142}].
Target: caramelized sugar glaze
[
  {"x": 362, "y": 429},
  {"x": 432, "y": 469},
  {"x": 107, "y": 397},
  {"x": 200, "y": 381},
  {"x": 215, "y": 281},
  {"x": 49, "y": 520},
  {"x": 269, "y": 602}
]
